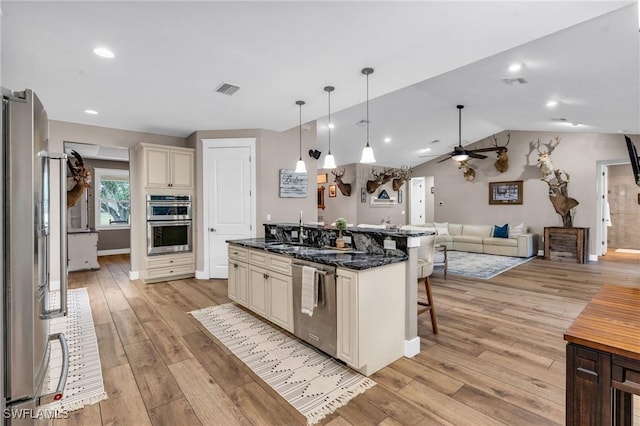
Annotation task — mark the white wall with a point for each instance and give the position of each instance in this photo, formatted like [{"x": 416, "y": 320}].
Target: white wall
[{"x": 467, "y": 202}]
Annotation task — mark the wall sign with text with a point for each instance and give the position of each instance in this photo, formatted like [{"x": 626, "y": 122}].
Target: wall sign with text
[{"x": 292, "y": 184}]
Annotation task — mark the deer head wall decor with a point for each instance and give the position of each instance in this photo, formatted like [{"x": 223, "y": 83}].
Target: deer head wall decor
[
  {"x": 81, "y": 176},
  {"x": 468, "y": 172},
  {"x": 544, "y": 158},
  {"x": 502, "y": 163},
  {"x": 345, "y": 188},
  {"x": 375, "y": 183},
  {"x": 400, "y": 176}
]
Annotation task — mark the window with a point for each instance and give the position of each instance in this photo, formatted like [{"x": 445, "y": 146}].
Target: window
[{"x": 112, "y": 199}]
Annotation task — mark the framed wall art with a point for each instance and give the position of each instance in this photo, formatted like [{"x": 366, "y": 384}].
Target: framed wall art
[
  {"x": 505, "y": 192},
  {"x": 332, "y": 191}
]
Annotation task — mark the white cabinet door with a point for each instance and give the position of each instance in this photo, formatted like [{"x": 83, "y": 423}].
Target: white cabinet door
[
  {"x": 281, "y": 300},
  {"x": 232, "y": 281},
  {"x": 258, "y": 290},
  {"x": 347, "y": 313},
  {"x": 181, "y": 169},
  {"x": 158, "y": 172}
]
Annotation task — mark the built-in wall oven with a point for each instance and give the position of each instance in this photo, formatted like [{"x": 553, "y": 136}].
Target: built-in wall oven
[{"x": 169, "y": 224}]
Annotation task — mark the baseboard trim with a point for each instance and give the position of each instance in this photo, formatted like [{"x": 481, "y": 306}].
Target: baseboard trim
[
  {"x": 412, "y": 347},
  {"x": 202, "y": 275},
  {"x": 134, "y": 275},
  {"x": 114, "y": 251},
  {"x": 541, "y": 253}
]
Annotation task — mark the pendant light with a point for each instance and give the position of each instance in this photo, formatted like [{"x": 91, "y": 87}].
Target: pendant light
[
  {"x": 461, "y": 154},
  {"x": 300, "y": 166},
  {"x": 367, "y": 152},
  {"x": 329, "y": 161}
]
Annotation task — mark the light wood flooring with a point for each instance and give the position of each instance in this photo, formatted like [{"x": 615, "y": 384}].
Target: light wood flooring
[{"x": 499, "y": 357}]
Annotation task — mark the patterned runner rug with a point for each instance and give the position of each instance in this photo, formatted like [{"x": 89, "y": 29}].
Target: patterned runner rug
[
  {"x": 314, "y": 383},
  {"x": 84, "y": 383},
  {"x": 480, "y": 265}
]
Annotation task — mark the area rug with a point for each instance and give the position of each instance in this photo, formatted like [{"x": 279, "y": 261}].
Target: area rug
[
  {"x": 312, "y": 382},
  {"x": 480, "y": 265},
  {"x": 84, "y": 383}
]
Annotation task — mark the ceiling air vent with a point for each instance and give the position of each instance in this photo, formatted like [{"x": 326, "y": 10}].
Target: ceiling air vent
[
  {"x": 517, "y": 80},
  {"x": 227, "y": 89}
]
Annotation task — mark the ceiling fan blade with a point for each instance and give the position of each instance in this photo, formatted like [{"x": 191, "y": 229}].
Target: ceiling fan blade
[
  {"x": 444, "y": 159},
  {"x": 483, "y": 149},
  {"x": 474, "y": 155}
]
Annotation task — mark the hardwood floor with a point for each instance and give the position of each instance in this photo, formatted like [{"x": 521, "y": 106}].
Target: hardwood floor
[{"x": 498, "y": 357}]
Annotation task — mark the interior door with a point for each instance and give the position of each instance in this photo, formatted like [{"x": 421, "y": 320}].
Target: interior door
[
  {"x": 606, "y": 213},
  {"x": 417, "y": 212},
  {"x": 228, "y": 174}
]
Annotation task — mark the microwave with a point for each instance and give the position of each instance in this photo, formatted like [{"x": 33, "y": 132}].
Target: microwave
[
  {"x": 172, "y": 236},
  {"x": 168, "y": 207}
]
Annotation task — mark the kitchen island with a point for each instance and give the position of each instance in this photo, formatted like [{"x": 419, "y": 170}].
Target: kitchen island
[{"x": 368, "y": 296}]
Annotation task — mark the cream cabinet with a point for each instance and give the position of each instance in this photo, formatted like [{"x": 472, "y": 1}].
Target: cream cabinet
[
  {"x": 370, "y": 316},
  {"x": 165, "y": 267},
  {"x": 262, "y": 282},
  {"x": 167, "y": 167}
]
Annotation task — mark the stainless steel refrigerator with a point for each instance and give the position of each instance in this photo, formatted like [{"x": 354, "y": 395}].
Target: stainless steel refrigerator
[{"x": 27, "y": 253}]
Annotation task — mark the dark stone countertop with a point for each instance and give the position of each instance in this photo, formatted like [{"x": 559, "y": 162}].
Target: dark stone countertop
[{"x": 358, "y": 260}]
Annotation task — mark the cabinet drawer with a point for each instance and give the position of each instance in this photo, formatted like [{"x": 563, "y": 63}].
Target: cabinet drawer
[
  {"x": 168, "y": 261},
  {"x": 280, "y": 264},
  {"x": 238, "y": 253},
  {"x": 258, "y": 258},
  {"x": 153, "y": 274}
]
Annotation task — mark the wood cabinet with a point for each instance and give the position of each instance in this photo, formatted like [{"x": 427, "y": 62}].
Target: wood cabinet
[
  {"x": 367, "y": 340},
  {"x": 262, "y": 282},
  {"x": 167, "y": 167},
  {"x": 165, "y": 267},
  {"x": 566, "y": 244}
]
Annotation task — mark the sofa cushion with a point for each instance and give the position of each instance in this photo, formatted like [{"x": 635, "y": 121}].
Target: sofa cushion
[
  {"x": 501, "y": 231},
  {"x": 455, "y": 228},
  {"x": 442, "y": 228},
  {"x": 509, "y": 242},
  {"x": 477, "y": 230},
  {"x": 474, "y": 239},
  {"x": 516, "y": 230}
]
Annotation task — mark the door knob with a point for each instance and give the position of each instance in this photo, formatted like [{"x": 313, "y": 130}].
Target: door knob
[{"x": 212, "y": 229}]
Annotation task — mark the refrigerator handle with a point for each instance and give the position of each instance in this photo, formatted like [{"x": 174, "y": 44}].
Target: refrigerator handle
[
  {"x": 57, "y": 394},
  {"x": 62, "y": 310}
]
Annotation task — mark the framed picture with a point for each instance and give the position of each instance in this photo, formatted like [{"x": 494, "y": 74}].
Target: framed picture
[
  {"x": 363, "y": 195},
  {"x": 505, "y": 192},
  {"x": 322, "y": 178},
  {"x": 332, "y": 190},
  {"x": 399, "y": 195}
]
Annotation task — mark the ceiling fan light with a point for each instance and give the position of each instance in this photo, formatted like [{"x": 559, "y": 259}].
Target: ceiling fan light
[
  {"x": 461, "y": 157},
  {"x": 367, "y": 155},
  {"x": 329, "y": 162},
  {"x": 301, "y": 167}
]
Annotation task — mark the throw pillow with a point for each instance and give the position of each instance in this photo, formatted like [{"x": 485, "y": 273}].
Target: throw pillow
[
  {"x": 442, "y": 228},
  {"x": 501, "y": 231},
  {"x": 516, "y": 230}
]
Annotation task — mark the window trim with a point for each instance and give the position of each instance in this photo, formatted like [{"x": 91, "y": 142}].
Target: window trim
[{"x": 98, "y": 174}]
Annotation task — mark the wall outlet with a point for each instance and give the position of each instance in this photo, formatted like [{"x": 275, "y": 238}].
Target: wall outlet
[
  {"x": 294, "y": 234},
  {"x": 347, "y": 239},
  {"x": 273, "y": 231},
  {"x": 390, "y": 244},
  {"x": 268, "y": 216}
]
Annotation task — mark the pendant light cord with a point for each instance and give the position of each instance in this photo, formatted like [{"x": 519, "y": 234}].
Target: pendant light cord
[
  {"x": 460, "y": 126},
  {"x": 329, "y": 92},
  {"x": 300, "y": 131},
  {"x": 367, "y": 109}
]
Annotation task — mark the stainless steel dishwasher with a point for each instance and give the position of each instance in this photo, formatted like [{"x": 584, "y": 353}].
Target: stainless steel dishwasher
[{"x": 319, "y": 330}]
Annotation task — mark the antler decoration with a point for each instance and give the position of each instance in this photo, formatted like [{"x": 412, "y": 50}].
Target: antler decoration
[
  {"x": 398, "y": 175},
  {"x": 468, "y": 172},
  {"x": 81, "y": 176},
  {"x": 502, "y": 163},
  {"x": 345, "y": 188}
]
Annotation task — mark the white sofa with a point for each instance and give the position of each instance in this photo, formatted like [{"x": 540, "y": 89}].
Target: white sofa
[{"x": 480, "y": 239}]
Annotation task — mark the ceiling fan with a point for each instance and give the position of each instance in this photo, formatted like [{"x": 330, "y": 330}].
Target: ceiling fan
[{"x": 459, "y": 153}]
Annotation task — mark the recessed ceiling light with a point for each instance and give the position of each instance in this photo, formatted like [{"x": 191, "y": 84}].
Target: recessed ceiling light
[
  {"x": 425, "y": 149},
  {"x": 552, "y": 104},
  {"x": 332, "y": 126},
  {"x": 103, "y": 52},
  {"x": 387, "y": 139},
  {"x": 515, "y": 67},
  {"x": 91, "y": 112}
]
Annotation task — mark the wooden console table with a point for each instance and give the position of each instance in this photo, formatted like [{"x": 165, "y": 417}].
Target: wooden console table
[
  {"x": 603, "y": 359},
  {"x": 566, "y": 244}
]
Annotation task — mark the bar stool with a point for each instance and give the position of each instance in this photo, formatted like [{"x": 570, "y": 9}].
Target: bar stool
[{"x": 425, "y": 269}]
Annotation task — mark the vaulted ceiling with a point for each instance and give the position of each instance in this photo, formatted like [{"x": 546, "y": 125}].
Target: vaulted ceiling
[{"x": 428, "y": 56}]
